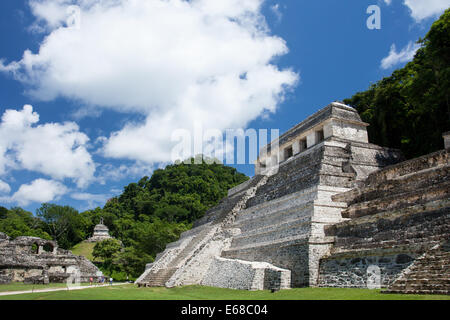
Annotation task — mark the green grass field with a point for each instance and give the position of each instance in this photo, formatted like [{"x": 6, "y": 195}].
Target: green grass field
[
  {"x": 84, "y": 249},
  {"x": 131, "y": 292}
]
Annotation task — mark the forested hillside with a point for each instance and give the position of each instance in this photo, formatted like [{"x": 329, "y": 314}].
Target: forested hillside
[
  {"x": 410, "y": 109},
  {"x": 145, "y": 217}
]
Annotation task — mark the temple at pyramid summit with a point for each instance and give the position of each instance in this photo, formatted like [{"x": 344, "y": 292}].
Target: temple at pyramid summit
[{"x": 324, "y": 208}]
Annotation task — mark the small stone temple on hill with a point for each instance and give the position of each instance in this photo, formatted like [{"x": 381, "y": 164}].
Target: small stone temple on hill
[{"x": 101, "y": 232}]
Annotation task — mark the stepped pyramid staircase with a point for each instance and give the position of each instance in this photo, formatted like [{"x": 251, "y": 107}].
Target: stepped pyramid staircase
[
  {"x": 429, "y": 274},
  {"x": 417, "y": 181},
  {"x": 204, "y": 229},
  {"x": 403, "y": 208}
]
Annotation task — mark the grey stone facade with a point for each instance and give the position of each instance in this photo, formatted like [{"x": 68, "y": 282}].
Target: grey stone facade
[
  {"x": 35, "y": 260},
  {"x": 278, "y": 217},
  {"x": 399, "y": 222},
  {"x": 101, "y": 232},
  {"x": 245, "y": 275}
]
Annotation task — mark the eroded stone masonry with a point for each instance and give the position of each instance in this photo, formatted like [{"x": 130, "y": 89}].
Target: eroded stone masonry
[
  {"x": 35, "y": 260},
  {"x": 321, "y": 211}
]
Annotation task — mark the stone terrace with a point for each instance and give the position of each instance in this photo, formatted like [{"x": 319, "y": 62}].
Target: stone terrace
[{"x": 397, "y": 216}]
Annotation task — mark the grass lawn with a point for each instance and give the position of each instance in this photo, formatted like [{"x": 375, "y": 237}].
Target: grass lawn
[
  {"x": 84, "y": 249},
  {"x": 131, "y": 292}
]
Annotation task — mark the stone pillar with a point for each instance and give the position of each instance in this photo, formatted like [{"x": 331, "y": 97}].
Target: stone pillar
[
  {"x": 311, "y": 139},
  {"x": 281, "y": 155},
  {"x": 295, "y": 147},
  {"x": 328, "y": 130},
  {"x": 446, "y": 136},
  {"x": 40, "y": 249}
]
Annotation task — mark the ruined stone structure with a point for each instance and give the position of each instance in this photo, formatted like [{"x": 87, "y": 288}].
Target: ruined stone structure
[
  {"x": 269, "y": 232},
  {"x": 325, "y": 208},
  {"x": 101, "y": 232},
  {"x": 399, "y": 224},
  {"x": 35, "y": 260}
]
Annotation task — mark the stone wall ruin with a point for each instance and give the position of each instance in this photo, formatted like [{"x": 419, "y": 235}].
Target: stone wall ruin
[
  {"x": 35, "y": 260},
  {"x": 325, "y": 208}
]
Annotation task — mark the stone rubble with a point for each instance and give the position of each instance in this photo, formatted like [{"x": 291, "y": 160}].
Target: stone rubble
[{"x": 35, "y": 260}]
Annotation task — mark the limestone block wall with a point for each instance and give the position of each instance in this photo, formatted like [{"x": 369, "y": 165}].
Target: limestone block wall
[
  {"x": 280, "y": 255},
  {"x": 277, "y": 232},
  {"x": 390, "y": 241},
  {"x": 281, "y": 218},
  {"x": 353, "y": 271},
  {"x": 295, "y": 174},
  {"x": 245, "y": 275},
  {"x": 398, "y": 214},
  {"x": 284, "y": 223}
]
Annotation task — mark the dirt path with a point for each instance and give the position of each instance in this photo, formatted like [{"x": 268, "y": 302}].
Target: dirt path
[{"x": 8, "y": 293}]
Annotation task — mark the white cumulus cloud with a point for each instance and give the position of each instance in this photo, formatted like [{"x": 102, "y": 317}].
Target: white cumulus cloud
[
  {"x": 109, "y": 172},
  {"x": 40, "y": 191},
  {"x": 57, "y": 150},
  {"x": 423, "y": 9},
  {"x": 93, "y": 200},
  {"x": 4, "y": 187},
  {"x": 404, "y": 55},
  {"x": 174, "y": 61}
]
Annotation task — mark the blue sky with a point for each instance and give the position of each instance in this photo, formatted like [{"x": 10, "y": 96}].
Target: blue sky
[{"x": 105, "y": 90}]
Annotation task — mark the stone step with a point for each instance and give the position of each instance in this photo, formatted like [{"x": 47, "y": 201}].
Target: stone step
[
  {"x": 351, "y": 237},
  {"x": 429, "y": 273},
  {"x": 430, "y": 280},
  {"x": 400, "y": 171},
  {"x": 191, "y": 245},
  {"x": 253, "y": 226},
  {"x": 269, "y": 208},
  {"x": 443, "y": 292},
  {"x": 281, "y": 242},
  {"x": 429, "y": 161},
  {"x": 158, "y": 279},
  {"x": 275, "y": 233},
  {"x": 420, "y": 287},
  {"x": 295, "y": 175},
  {"x": 398, "y": 201},
  {"x": 413, "y": 181},
  {"x": 218, "y": 213}
]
